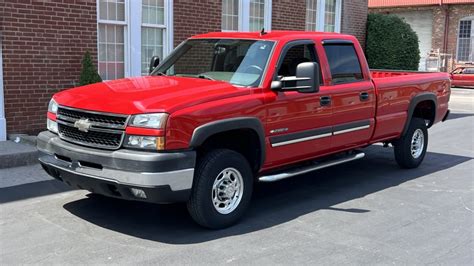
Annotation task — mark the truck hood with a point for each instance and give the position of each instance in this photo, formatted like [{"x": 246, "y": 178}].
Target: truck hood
[{"x": 150, "y": 94}]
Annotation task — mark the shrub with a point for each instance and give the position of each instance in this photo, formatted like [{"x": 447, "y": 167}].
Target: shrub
[
  {"x": 89, "y": 73},
  {"x": 391, "y": 43}
]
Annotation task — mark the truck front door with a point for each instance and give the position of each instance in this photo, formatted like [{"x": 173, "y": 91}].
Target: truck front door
[
  {"x": 298, "y": 124},
  {"x": 352, "y": 95}
]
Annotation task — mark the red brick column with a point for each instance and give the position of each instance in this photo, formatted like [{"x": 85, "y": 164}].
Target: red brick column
[
  {"x": 43, "y": 43},
  {"x": 195, "y": 17},
  {"x": 354, "y": 19},
  {"x": 289, "y": 15}
]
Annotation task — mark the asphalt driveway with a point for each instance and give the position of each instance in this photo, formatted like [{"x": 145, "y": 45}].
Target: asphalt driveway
[{"x": 364, "y": 212}]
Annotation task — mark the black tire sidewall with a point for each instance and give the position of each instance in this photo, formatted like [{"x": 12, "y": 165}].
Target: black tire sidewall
[
  {"x": 403, "y": 152},
  {"x": 207, "y": 174}
]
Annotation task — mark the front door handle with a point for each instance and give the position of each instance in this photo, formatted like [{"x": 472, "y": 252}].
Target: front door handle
[
  {"x": 325, "y": 100},
  {"x": 364, "y": 96}
]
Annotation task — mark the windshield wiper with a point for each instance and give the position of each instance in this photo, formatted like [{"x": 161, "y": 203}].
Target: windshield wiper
[
  {"x": 203, "y": 76},
  {"x": 160, "y": 74}
]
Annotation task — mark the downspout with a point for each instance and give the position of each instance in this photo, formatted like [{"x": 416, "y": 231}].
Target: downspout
[
  {"x": 3, "y": 126},
  {"x": 446, "y": 32}
]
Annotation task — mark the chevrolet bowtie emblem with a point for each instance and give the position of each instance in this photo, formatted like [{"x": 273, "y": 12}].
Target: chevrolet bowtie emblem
[{"x": 83, "y": 125}]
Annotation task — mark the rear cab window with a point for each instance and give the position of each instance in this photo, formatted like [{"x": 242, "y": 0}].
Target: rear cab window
[{"x": 343, "y": 63}]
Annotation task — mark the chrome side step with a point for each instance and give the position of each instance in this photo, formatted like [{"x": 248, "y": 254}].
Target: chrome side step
[{"x": 307, "y": 169}]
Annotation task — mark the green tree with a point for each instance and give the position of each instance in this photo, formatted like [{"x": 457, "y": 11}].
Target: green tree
[
  {"x": 391, "y": 43},
  {"x": 89, "y": 73}
]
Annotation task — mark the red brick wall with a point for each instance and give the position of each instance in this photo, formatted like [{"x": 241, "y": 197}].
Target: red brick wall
[
  {"x": 288, "y": 15},
  {"x": 195, "y": 17},
  {"x": 42, "y": 43},
  {"x": 354, "y": 19}
]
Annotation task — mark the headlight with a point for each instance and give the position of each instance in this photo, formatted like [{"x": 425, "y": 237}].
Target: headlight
[
  {"x": 149, "y": 120},
  {"x": 52, "y": 106},
  {"x": 145, "y": 142}
]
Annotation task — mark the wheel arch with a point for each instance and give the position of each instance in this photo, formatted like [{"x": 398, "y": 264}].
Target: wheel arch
[
  {"x": 250, "y": 124},
  {"x": 415, "y": 106}
]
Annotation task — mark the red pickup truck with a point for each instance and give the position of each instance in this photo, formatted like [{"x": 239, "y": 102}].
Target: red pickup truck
[{"x": 225, "y": 110}]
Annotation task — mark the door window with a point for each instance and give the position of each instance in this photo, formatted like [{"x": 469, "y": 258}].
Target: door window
[{"x": 344, "y": 63}]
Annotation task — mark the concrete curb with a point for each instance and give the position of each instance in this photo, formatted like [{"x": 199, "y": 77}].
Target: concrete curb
[{"x": 14, "y": 154}]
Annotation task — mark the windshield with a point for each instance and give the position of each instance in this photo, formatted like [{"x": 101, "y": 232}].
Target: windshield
[{"x": 239, "y": 62}]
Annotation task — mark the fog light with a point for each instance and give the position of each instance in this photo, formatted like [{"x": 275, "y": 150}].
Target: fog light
[
  {"x": 145, "y": 142},
  {"x": 52, "y": 126},
  {"x": 138, "y": 193}
]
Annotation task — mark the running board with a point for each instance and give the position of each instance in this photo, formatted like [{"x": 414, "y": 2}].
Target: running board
[{"x": 307, "y": 169}]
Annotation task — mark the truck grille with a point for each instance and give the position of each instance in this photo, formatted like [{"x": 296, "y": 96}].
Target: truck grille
[{"x": 106, "y": 130}]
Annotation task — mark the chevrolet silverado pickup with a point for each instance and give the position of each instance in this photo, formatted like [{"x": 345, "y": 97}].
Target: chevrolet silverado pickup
[{"x": 225, "y": 110}]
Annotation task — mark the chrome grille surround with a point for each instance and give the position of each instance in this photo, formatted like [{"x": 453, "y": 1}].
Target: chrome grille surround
[{"x": 107, "y": 130}]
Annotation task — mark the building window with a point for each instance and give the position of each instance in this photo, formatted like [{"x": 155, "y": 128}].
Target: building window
[
  {"x": 111, "y": 39},
  {"x": 465, "y": 40},
  {"x": 153, "y": 25},
  {"x": 257, "y": 15},
  {"x": 246, "y": 15},
  {"x": 130, "y": 33},
  {"x": 323, "y": 15},
  {"x": 230, "y": 15},
  {"x": 311, "y": 14}
]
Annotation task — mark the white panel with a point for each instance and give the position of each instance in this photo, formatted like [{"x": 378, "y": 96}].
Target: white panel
[
  {"x": 135, "y": 24},
  {"x": 421, "y": 22}
]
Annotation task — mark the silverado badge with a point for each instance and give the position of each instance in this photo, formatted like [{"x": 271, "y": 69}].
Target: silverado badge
[{"x": 83, "y": 125}]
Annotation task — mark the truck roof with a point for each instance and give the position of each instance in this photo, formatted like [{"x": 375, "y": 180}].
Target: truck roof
[{"x": 271, "y": 35}]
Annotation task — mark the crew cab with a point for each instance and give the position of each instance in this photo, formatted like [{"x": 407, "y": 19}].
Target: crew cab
[
  {"x": 226, "y": 109},
  {"x": 463, "y": 77}
]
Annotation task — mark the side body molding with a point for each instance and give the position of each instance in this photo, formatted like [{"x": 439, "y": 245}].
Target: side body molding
[
  {"x": 414, "y": 102},
  {"x": 203, "y": 132}
]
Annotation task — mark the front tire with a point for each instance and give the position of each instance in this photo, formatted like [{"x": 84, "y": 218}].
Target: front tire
[
  {"x": 222, "y": 189},
  {"x": 410, "y": 149}
]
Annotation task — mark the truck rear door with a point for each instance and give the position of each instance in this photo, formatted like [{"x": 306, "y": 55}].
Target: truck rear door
[{"x": 352, "y": 95}]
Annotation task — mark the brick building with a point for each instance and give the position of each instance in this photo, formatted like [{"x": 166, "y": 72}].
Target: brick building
[
  {"x": 445, "y": 29},
  {"x": 43, "y": 41}
]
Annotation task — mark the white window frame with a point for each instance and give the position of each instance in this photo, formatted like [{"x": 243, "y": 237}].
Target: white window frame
[
  {"x": 244, "y": 16},
  {"x": 471, "y": 18},
  {"x": 321, "y": 15},
  {"x": 132, "y": 35}
]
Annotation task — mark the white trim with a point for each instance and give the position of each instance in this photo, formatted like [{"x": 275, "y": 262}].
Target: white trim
[
  {"x": 337, "y": 27},
  {"x": 267, "y": 17},
  {"x": 168, "y": 44},
  {"x": 244, "y": 15},
  {"x": 3, "y": 123},
  {"x": 135, "y": 38}
]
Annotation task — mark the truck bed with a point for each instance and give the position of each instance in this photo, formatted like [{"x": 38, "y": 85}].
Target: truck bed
[{"x": 395, "y": 90}]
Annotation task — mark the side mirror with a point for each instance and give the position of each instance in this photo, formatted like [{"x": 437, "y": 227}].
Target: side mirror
[
  {"x": 305, "y": 81},
  {"x": 154, "y": 62}
]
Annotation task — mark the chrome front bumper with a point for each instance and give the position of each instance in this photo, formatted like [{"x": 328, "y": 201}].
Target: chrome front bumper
[{"x": 168, "y": 176}]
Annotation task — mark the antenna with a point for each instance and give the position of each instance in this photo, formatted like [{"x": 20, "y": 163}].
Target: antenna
[{"x": 262, "y": 32}]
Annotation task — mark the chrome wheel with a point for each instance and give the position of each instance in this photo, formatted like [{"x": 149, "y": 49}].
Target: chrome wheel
[
  {"x": 227, "y": 190},
  {"x": 417, "y": 143}
]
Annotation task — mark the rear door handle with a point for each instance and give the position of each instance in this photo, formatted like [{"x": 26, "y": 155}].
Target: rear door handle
[
  {"x": 325, "y": 100},
  {"x": 364, "y": 96}
]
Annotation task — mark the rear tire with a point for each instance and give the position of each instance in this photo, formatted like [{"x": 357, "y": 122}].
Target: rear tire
[
  {"x": 222, "y": 189},
  {"x": 410, "y": 149}
]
